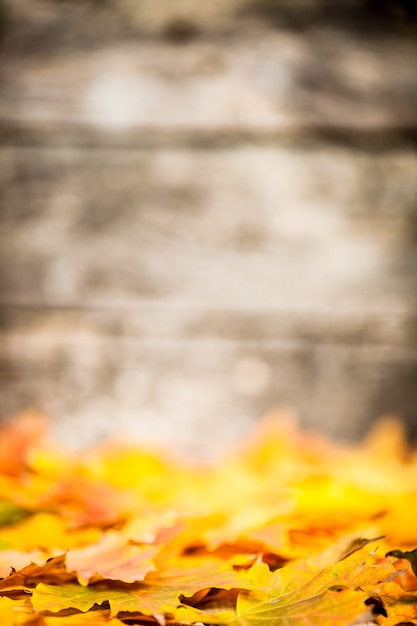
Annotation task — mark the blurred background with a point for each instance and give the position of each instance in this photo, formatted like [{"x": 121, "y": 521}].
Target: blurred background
[{"x": 208, "y": 210}]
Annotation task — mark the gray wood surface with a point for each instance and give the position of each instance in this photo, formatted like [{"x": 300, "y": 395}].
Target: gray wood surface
[{"x": 206, "y": 214}]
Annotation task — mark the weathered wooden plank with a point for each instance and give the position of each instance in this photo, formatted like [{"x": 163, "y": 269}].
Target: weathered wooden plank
[
  {"x": 160, "y": 323},
  {"x": 248, "y": 228},
  {"x": 99, "y": 375},
  {"x": 187, "y": 291},
  {"x": 275, "y": 83}
]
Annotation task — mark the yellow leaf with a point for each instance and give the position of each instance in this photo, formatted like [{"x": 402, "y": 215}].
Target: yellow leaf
[{"x": 45, "y": 531}]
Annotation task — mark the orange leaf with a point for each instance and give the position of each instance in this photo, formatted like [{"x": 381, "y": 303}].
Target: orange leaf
[{"x": 113, "y": 558}]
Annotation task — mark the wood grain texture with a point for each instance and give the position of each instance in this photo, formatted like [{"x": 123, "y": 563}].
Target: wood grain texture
[{"x": 207, "y": 213}]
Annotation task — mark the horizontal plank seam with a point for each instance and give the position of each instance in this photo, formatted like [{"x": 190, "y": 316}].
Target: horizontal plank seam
[{"x": 383, "y": 138}]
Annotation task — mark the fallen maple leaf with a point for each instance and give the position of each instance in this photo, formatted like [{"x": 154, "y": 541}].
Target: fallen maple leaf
[
  {"x": 159, "y": 592},
  {"x": 6, "y": 612},
  {"x": 272, "y": 534},
  {"x": 301, "y": 595},
  {"x": 392, "y": 605},
  {"x": 49, "y": 532},
  {"x": 20, "y": 583},
  {"x": 113, "y": 558},
  {"x": 409, "y": 555},
  {"x": 19, "y": 438},
  {"x": 94, "y": 618},
  {"x": 12, "y": 560}
]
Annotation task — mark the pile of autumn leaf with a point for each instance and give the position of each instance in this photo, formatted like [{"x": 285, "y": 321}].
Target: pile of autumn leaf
[{"x": 290, "y": 530}]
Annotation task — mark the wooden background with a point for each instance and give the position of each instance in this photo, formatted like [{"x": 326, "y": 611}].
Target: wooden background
[{"x": 208, "y": 210}]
